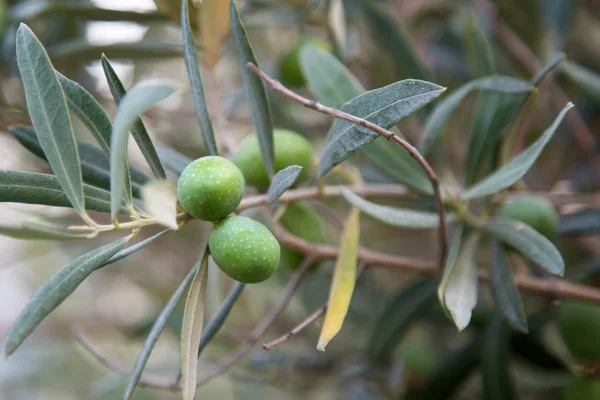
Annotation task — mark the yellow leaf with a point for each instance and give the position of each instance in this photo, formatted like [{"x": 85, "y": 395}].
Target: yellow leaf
[
  {"x": 160, "y": 201},
  {"x": 344, "y": 277},
  {"x": 214, "y": 27}
]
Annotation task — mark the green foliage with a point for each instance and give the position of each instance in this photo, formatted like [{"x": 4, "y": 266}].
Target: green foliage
[
  {"x": 290, "y": 69},
  {"x": 282, "y": 181},
  {"x": 537, "y": 212},
  {"x": 579, "y": 327},
  {"x": 582, "y": 387},
  {"x": 495, "y": 375}
]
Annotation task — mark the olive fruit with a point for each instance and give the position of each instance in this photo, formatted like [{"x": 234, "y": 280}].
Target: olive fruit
[
  {"x": 419, "y": 358},
  {"x": 290, "y": 148},
  {"x": 244, "y": 249},
  {"x": 534, "y": 211},
  {"x": 210, "y": 188},
  {"x": 302, "y": 220},
  {"x": 582, "y": 388},
  {"x": 290, "y": 71},
  {"x": 579, "y": 327}
]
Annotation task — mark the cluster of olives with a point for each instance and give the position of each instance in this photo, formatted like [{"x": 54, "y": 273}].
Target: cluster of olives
[{"x": 210, "y": 188}]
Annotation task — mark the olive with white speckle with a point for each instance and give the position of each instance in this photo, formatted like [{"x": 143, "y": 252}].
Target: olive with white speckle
[
  {"x": 244, "y": 249},
  {"x": 210, "y": 188}
]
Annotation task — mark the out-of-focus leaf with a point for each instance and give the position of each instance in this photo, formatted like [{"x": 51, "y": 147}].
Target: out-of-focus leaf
[
  {"x": 384, "y": 107},
  {"x": 518, "y": 167},
  {"x": 138, "y": 100},
  {"x": 36, "y": 231},
  {"x": 44, "y": 189},
  {"x": 81, "y": 51},
  {"x": 282, "y": 181},
  {"x": 344, "y": 277},
  {"x": 404, "y": 218},
  {"x": 157, "y": 328},
  {"x": 528, "y": 242},
  {"x": 56, "y": 290},
  {"x": 505, "y": 292},
  {"x": 396, "y": 42},
  {"x": 585, "y": 222},
  {"x": 191, "y": 331},
  {"x": 138, "y": 130},
  {"x": 455, "y": 369},
  {"x": 458, "y": 290},
  {"x": 133, "y": 248},
  {"x": 588, "y": 81},
  {"x": 401, "y": 311},
  {"x": 479, "y": 52},
  {"x": 50, "y": 116},
  {"x": 336, "y": 21},
  {"x": 445, "y": 108},
  {"x": 494, "y": 358},
  {"x": 257, "y": 92},
  {"x": 160, "y": 201},
  {"x": 214, "y": 27},
  {"x": 39, "y": 9},
  {"x": 333, "y": 85},
  {"x": 173, "y": 160},
  {"x": 191, "y": 63}
]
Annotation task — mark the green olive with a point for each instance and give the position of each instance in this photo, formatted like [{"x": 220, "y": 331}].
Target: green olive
[
  {"x": 582, "y": 388},
  {"x": 290, "y": 148},
  {"x": 302, "y": 220},
  {"x": 244, "y": 249},
  {"x": 419, "y": 358},
  {"x": 579, "y": 327},
  {"x": 210, "y": 188},
  {"x": 534, "y": 211},
  {"x": 290, "y": 70}
]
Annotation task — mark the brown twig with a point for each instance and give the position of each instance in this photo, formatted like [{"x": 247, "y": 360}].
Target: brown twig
[{"x": 433, "y": 178}]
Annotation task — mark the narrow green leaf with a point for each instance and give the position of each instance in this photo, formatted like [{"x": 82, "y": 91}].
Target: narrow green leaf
[
  {"x": 344, "y": 278},
  {"x": 528, "y": 242},
  {"x": 445, "y": 108},
  {"x": 587, "y": 80},
  {"x": 95, "y": 166},
  {"x": 333, "y": 85},
  {"x": 586, "y": 222},
  {"x": 495, "y": 352},
  {"x": 157, "y": 328},
  {"x": 138, "y": 130},
  {"x": 396, "y": 42},
  {"x": 282, "y": 181},
  {"x": 44, "y": 189},
  {"x": 518, "y": 167},
  {"x": 174, "y": 161},
  {"x": 505, "y": 292},
  {"x": 478, "y": 49},
  {"x": 139, "y": 99},
  {"x": 49, "y": 115},
  {"x": 133, "y": 248},
  {"x": 60, "y": 286},
  {"x": 404, "y": 218},
  {"x": 191, "y": 331},
  {"x": 36, "y": 231},
  {"x": 191, "y": 63},
  {"x": 458, "y": 290},
  {"x": 554, "y": 61},
  {"x": 81, "y": 52},
  {"x": 384, "y": 107},
  {"x": 257, "y": 92},
  {"x": 401, "y": 311},
  {"x": 88, "y": 110}
]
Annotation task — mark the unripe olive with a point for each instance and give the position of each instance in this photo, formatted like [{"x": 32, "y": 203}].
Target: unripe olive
[
  {"x": 579, "y": 327},
  {"x": 534, "y": 211},
  {"x": 419, "y": 358},
  {"x": 244, "y": 249},
  {"x": 582, "y": 388},
  {"x": 290, "y": 70},
  {"x": 210, "y": 188},
  {"x": 290, "y": 148},
  {"x": 302, "y": 220}
]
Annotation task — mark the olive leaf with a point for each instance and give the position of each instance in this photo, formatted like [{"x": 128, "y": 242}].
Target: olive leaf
[
  {"x": 518, "y": 167},
  {"x": 174, "y": 160},
  {"x": 193, "y": 70},
  {"x": 191, "y": 331},
  {"x": 256, "y": 90},
  {"x": 60, "y": 286},
  {"x": 282, "y": 181},
  {"x": 29, "y": 230},
  {"x": 50, "y": 116},
  {"x": 344, "y": 277},
  {"x": 586, "y": 222},
  {"x": 494, "y": 357},
  {"x": 586, "y": 79},
  {"x": 160, "y": 201},
  {"x": 135, "y": 247}
]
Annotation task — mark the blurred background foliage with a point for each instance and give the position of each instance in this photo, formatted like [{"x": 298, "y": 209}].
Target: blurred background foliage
[{"x": 384, "y": 41}]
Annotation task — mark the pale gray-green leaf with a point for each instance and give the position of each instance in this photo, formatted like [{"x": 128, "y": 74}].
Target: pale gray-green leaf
[
  {"x": 36, "y": 231},
  {"x": 49, "y": 114},
  {"x": 384, "y": 107},
  {"x": 518, "y": 167},
  {"x": 495, "y": 359},
  {"x": 282, "y": 181},
  {"x": 587, "y": 80},
  {"x": 133, "y": 248},
  {"x": 445, "y": 108},
  {"x": 257, "y": 92},
  {"x": 139, "y": 99},
  {"x": 529, "y": 242},
  {"x": 60, "y": 286}
]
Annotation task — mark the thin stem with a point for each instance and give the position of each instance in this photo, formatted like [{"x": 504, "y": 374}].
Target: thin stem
[{"x": 433, "y": 178}]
